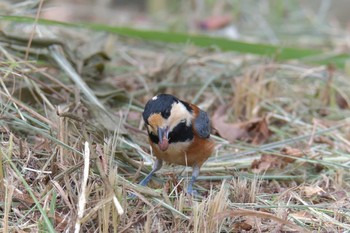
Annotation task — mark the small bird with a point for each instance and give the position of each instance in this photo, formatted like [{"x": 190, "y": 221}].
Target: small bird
[{"x": 179, "y": 133}]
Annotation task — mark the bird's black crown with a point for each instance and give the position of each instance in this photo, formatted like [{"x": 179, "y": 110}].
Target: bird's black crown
[
  {"x": 159, "y": 104},
  {"x": 162, "y": 104}
]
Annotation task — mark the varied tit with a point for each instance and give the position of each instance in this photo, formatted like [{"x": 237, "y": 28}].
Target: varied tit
[{"x": 178, "y": 133}]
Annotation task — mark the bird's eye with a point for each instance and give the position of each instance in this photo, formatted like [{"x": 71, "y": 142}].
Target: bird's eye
[{"x": 166, "y": 113}]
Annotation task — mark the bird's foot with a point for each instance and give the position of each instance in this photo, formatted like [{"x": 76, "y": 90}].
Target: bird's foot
[
  {"x": 192, "y": 192},
  {"x": 144, "y": 182}
]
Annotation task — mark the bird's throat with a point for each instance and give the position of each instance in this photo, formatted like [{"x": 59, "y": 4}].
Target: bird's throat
[{"x": 163, "y": 144}]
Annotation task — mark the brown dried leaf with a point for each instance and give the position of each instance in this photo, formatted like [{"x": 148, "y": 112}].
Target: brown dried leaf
[
  {"x": 324, "y": 140},
  {"x": 229, "y": 131},
  {"x": 239, "y": 226},
  {"x": 255, "y": 131},
  {"x": 269, "y": 162},
  {"x": 341, "y": 101},
  {"x": 310, "y": 191},
  {"x": 259, "y": 131},
  {"x": 23, "y": 197},
  {"x": 253, "y": 221},
  {"x": 291, "y": 152}
]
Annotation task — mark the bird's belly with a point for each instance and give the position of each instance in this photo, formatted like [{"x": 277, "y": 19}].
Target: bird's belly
[{"x": 176, "y": 153}]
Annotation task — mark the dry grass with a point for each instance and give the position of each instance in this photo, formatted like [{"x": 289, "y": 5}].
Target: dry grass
[{"x": 46, "y": 119}]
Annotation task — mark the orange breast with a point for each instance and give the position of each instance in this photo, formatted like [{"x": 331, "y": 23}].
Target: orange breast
[{"x": 191, "y": 153}]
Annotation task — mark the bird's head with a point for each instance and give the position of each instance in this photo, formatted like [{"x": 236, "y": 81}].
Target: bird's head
[{"x": 164, "y": 114}]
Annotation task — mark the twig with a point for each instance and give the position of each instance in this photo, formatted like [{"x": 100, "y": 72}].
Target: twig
[{"x": 82, "y": 196}]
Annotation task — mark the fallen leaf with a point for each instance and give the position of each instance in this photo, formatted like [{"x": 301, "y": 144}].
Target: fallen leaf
[
  {"x": 270, "y": 162},
  {"x": 294, "y": 152},
  {"x": 255, "y": 131},
  {"x": 239, "y": 226},
  {"x": 253, "y": 221},
  {"x": 324, "y": 140},
  {"x": 310, "y": 191},
  {"x": 23, "y": 197},
  {"x": 229, "y": 131},
  {"x": 259, "y": 131},
  {"x": 341, "y": 101},
  {"x": 267, "y": 162}
]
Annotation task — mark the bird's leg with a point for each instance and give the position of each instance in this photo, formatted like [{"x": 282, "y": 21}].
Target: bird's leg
[
  {"x": 195, "y": 174},
  {"x": 156, "y": 166}
]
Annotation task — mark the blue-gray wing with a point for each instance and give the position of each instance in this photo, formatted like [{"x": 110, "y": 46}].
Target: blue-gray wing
[{"x": 202, "y": 124}]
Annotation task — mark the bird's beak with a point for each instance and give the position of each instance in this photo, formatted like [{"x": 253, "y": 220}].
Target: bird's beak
[{"x": 163, "y": 138}]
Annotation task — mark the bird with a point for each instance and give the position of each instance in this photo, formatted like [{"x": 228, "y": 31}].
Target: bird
[{"x": 178, "y": 133}]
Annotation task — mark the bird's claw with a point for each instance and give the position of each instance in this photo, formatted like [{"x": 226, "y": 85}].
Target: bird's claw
[{"x": 192, "y": 192}]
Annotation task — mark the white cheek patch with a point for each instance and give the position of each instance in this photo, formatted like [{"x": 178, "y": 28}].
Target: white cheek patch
[
  {"x": 179, "y": 113},
  {"x": 154, "y": 97},
  {"x": 150, "y": 129}
]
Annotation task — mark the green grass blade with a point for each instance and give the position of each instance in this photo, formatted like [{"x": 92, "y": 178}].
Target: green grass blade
[
  {"x": 53, "y": 206},
  {"x": 278, "y": 52}
]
